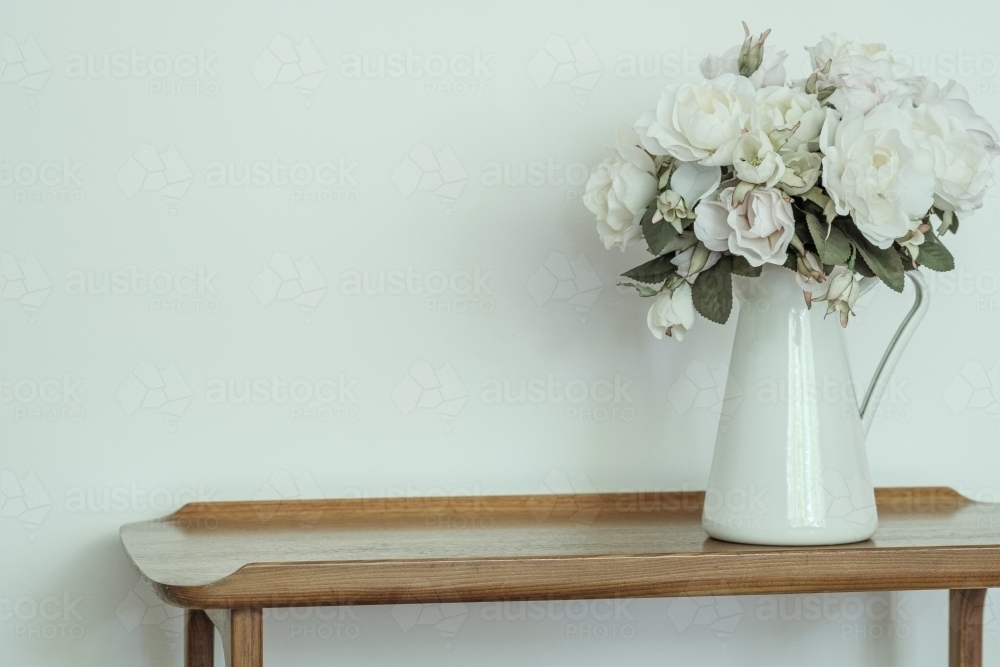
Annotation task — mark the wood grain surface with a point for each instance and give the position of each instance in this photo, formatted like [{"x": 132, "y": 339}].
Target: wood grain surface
[
  {"x": 965, "y": 628},
  {"x": 384, "y": 551},
  {"x": 199, "y": 639}
]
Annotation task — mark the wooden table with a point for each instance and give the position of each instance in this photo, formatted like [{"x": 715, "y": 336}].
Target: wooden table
[{"x": 226, "y": 561}]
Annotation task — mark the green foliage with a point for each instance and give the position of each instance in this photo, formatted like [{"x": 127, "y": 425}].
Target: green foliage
[
  {"x": 833, "y": 250},
  {"x": 643, "y": 290},
  {"x": 934, "y": 255},
  {"x": 712, "y": 291},
  {"x": 658, "y": 234},
  {"x": 741, "y": 267},
  {"x": 884, "y": 263},
  {"x": 652, "y": 272}
]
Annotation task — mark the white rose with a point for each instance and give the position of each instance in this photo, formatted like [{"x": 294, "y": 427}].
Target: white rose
[
  {"x": 849, "y": 57},
  {"x": 770, "y": 73},
  {"x": 759, "y": 229},
  {"x": 961, "y": 167},
  {"x": 954, "y": 99},
  {"x": 870, "y": 171},
  {"x": 756, "y": 161},
  {"x": 700, "y": 122},
  {"x": 865, "y": 75},
  {"x": 860, "y": 91},
  {"x": 672, "y": 313},
  {"x": 780, "y": 108},
  {"x": 620, "y": 190}
]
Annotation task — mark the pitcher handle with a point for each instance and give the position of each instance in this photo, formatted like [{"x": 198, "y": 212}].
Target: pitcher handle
[{"x": 896, "y": 346}]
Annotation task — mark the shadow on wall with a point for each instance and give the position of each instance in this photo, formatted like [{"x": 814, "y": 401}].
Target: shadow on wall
[{"x": 99, "y": 604}]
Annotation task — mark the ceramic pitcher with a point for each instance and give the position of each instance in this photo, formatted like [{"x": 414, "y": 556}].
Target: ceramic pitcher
[{"x": 790, "y": 466}]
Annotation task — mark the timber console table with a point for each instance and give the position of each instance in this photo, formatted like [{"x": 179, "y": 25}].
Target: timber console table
[{"x": 224, "y": 562}]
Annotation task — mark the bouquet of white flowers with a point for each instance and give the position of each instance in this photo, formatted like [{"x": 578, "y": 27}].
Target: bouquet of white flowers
[{"x": 858, "y": 169}]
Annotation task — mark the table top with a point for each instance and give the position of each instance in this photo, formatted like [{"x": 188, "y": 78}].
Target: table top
[{"x": 466, "y": 549}]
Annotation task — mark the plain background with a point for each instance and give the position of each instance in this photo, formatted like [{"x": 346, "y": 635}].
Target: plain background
[{"x": 119, "y": 400}]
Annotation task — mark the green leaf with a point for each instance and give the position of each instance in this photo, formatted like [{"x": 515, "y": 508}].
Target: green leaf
[
  {"x": 713, "y": 291},
  {"x": 658, "y": 234},
  {"x": 934, "y": 255},
  {"x": 654, "y": 271},
  {"x": 643, "y": 290},
  {"x": 741, "y": 267},
  {"x": 791, "y": 261},
  {"x": 681, "y": 242},
  {"x": 904, "y": 257},
  {"x": 825, "y": 93},
  {"x": 833, "y": 250},
  {"x": 885, "y": 264},
  {"x": 861, "y": 267}
]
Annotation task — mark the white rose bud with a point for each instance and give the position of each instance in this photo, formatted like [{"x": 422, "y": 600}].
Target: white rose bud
[
  {"x": 810, "y": 276},
  {"x": 672, "y": 313},
  {"x": 809, "y": 267},
  {"x": 768, "y": 65},
  {"x": 842, "y": 294},
  {"x": 670, "y": 206},
  {"x": 694, "y": 260},
  {"x": 912, "y": 241}
]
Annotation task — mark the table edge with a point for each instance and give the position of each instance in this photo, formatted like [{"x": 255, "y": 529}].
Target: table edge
[{"x": 788, "y": 570}]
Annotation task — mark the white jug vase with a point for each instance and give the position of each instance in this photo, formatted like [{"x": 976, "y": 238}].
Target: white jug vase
[{"x": 790, "y": 466}]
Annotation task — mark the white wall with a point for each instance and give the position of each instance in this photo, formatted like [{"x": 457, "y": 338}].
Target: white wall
[{"x": 67, "y": 593}]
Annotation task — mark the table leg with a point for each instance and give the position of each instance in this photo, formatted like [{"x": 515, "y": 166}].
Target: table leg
[
  {"x": 965, "y": 631},
  {"x": 248, "y": 638},
  {"x": 242, "y": 633},
  {"x": 199, "y": 639}
]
